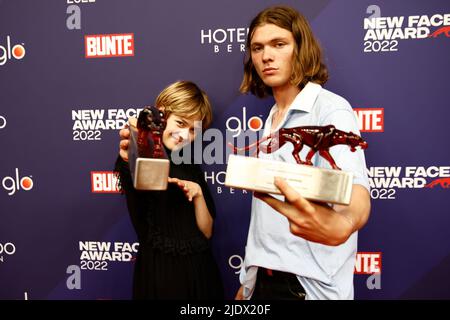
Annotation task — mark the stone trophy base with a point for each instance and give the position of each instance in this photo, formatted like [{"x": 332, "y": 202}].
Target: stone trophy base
[{"x": 317, "y": 184}]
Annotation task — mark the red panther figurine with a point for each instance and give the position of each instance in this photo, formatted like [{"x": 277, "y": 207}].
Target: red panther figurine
[
  {"x": 318, "y": 138},
  {"x": 151, "y": 121}
]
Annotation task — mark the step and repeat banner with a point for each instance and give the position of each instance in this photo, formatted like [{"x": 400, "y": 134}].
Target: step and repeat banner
[{"x": 73, "y": 71}]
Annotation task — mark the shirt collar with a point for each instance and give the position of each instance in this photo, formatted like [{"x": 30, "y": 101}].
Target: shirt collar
[{"x": 304, "y": 101}]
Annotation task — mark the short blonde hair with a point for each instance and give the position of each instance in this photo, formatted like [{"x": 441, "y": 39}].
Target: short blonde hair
[
  {"x": 185, "y": 98},
  {"x": 307, "y": 59}
]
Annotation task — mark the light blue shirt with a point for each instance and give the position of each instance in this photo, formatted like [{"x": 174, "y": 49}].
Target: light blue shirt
[{"x": 326, "y": 272}]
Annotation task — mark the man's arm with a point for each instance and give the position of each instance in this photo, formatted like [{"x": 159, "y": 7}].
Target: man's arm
[{"x": 317, "y": 222}]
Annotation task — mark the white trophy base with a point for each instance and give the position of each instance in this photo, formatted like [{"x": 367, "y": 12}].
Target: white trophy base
[
  {"x": 151, "y": 174},
  {"x": 317, "y": 184}
]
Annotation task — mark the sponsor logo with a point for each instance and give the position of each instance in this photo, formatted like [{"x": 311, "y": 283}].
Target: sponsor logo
[
  {"x": 109, "y": 45},
  {"x": 216, "y": 180},
  {"x": 227, "y": 39},
  {"x": 237, "y": 125},
  {"x": 370, "y": 119},
  {"x": 16, "y": 183},
  {"x": 104, "y": 182},
  {"x": 368, "y": 263},
  {"x": 9, "y": 51},
  {"x": 89, "y": 124},
  {"x": 6, "y": 249},
  {"x": 384, "y": 33},
  {"x": 443, "y": 183},
  {"x": 235, "y": 262},
  {"x": 441, "y": 31},
  {"x": 96, "y": 255},
  {"x": 385, "y": 181},
  {"x": 215, "y": 177},
  {"x": 2, "y": 122}
]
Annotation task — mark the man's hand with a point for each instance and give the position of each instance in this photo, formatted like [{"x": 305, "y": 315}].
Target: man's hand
[
  {"x": 240, "y": 294},
  {"x": 319, "y": 222}
]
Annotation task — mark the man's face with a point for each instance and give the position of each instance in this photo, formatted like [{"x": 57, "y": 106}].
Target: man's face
[
  {"x": 180, "y": 131},
  {"x": 272, "y": 49}
]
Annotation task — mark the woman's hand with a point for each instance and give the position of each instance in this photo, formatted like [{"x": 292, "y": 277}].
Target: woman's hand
[
  {"x": 124, "y": 142},
  {"x": 190, "y": 189}
]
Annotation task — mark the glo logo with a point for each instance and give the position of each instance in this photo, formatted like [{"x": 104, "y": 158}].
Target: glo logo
[
  {"x": 236, "y": 125},
  {"x": 7, "y": 248},
  {"x": 7, "y": 52},
  {"x": 13, "y": 184},
  {"x": 2, "y": 122}
]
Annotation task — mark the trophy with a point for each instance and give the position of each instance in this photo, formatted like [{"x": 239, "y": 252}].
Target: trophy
[
  {"x": 149, "y": 165},
  {"x": 317, "y": 184}
]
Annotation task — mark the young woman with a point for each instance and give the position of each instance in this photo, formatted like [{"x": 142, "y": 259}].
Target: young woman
[{"x": 174, "y": 260}]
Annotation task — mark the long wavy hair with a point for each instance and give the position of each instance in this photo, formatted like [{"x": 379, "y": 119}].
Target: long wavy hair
[{"x": 307, "y": 58}]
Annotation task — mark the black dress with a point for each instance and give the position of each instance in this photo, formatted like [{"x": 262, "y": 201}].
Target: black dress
[{"x": 174, "y": 259}]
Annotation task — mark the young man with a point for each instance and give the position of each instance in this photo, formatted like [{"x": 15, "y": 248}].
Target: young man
[{"x": 311, "y": 254}]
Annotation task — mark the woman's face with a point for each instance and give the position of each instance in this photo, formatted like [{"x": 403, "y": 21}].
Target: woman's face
[{"x": 180, "y": 131}]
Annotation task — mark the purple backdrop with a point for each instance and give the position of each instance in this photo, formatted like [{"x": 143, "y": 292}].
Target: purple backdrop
[{"x": 65, "y": 231}]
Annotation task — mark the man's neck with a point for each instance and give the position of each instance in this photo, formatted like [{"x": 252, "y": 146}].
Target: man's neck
[{"x": 284, "y": 96}]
